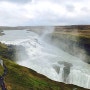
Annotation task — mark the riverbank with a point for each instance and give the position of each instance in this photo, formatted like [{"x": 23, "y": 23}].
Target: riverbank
[{"x": 1, "y": 32}]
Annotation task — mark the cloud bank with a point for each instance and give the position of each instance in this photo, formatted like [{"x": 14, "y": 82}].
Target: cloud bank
[{"x": 44, "y": 12}]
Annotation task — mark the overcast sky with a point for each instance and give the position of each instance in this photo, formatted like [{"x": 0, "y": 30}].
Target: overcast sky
[{"x": 44, "y": 12}]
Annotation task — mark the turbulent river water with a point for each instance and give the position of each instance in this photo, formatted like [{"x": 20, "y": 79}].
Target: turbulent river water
[{"x": 47, "y": 59}]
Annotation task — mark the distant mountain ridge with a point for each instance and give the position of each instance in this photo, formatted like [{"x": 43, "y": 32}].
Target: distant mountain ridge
[{"x": 80, "y": 27}]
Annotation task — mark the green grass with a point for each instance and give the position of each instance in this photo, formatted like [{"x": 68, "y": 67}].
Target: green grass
[{"x": 71, "y": 36}]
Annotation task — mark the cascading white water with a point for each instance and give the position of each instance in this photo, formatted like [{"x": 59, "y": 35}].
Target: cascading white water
[{"x": 50, "y": 60}]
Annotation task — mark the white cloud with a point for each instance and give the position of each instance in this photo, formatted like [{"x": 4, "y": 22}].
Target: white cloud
[{"x": 44, "y": 12}]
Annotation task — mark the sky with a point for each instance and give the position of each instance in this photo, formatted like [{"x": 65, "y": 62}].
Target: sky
[{"x": 44, "y": 12}]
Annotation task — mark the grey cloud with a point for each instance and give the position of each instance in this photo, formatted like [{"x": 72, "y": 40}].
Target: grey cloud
[
  {"x": 7, "y": 17},
  {"x": 70, "y": 8},
  {"x": 85, "y": 9},
  {"x": 17, "y": 1},
  {"x": 69, "y": 1},
  {"x": 75, "y": 20},
  {"x": 60, "y": 21}
]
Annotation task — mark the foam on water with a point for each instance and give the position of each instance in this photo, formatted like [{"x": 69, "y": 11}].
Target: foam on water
[{"x": 52, "y": 61}]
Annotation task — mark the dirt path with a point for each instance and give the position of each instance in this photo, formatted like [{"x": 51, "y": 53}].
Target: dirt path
[{"x": 2, "y": 84}]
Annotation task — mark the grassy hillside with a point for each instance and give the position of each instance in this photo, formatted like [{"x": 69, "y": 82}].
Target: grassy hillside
[{"x": 22, "y": 78}]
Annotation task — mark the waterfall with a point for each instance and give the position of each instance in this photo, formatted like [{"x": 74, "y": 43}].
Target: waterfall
[{"x": 51, "y": 61}]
